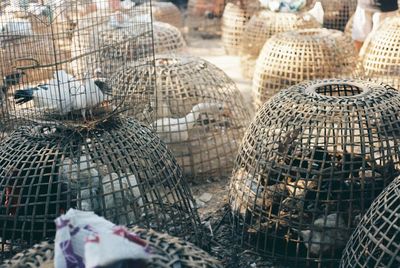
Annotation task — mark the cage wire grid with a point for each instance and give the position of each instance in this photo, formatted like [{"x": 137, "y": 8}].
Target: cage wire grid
[
  {"x": 295, "y": 56},
  {"x": 337, "y": 13},
  {"x": 310, "y": 164}
]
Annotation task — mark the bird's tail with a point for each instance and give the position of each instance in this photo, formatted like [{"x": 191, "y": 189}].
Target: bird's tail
[{"x": 24, "y": 95}]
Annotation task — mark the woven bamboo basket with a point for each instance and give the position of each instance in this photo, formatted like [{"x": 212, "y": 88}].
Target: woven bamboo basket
[
  {"x": 348, "y": 30},
  {"x": 200, "y": 114},
  {"x": 375, "y": 242},
  {"x": 380, "y": 60},
  {"x": 165, "y": 252},
  {"x": 292, "y": 57},
  {"x": 311, "y": 163},
  {"x": 167, "y": 12},
  {"x": 119, "y": 169},
  {"x": 337, "y": 13},
  {"x": 263, "y": 25}
]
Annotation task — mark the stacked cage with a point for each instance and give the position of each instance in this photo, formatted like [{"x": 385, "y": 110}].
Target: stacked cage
[
  {"x": 262, "y": 26},
  {"x": 73, "y": 148},
  {"x": 311, "y": 163},
  {"x": 165, "y": 252},
  {"x": 337, "y": 13},
  {"x": 380, "y": 59},
  {"x": 292, "y": 57},
  {"x": 167, "y": 12},
  {"x": 200, "y": 112}
]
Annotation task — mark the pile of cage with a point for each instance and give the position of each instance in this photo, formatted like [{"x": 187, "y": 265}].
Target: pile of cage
[
  {"x": 262, "y": 26},
  {"x": 167, "y": 12},
  {"x": 337, "y": 13},
  {"x": 292, "y": 57},
  {"x": 200, "y": 113},
  {"x": 311, "y": 163},
  {"x": 165, "y": 252},
  {"x": 375, "y": 242},
  {"x": 380, "y": 60}
]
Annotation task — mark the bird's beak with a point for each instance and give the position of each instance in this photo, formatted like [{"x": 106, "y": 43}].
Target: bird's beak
[{"x": 227, "y": 112}]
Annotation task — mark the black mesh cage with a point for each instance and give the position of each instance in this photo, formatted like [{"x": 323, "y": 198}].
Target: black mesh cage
[
  {"x": 120, "y": 170},
  {"x": 337, "y": 13},
  {"x": 311, "y": 163}
]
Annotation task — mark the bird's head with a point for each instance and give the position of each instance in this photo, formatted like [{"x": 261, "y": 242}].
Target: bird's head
[{"x": 212, "y": 107}]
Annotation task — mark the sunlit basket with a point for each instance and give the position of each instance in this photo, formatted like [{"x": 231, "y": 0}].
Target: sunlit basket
[
  {"x": 311, "y": 163},
  {"x": 264, "y": 24},
  {"x": 119, "y": 169},
  {"x": 292, "y": 57},
  {"x": 204, "y": 141},
  {"x": 167, "y": 12},
  {"x": 167, "y": 39},
  {"x": 165, "y": 252},
  {"x": 337, "y": 13},
  {"x": 375, "y": 242}
]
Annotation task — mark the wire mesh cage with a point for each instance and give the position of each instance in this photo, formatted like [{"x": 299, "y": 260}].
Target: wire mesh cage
[
  {"x": 167, "y": 12},
  {"x": 292, "y": 57},
  {"x": 375, "y": 242},
  {"x": 311, "y": 163},
  {"x": 165, "y": 252},
  {"x": 200, "y": 113},
  {"x": 262, "y": 26},
  {"x": 337, "y": 13},
  {"x": 120, "y": 170},
  {"x": 380, "y": 60}
]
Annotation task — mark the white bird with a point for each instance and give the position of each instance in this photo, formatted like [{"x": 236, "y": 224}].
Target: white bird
[
  {"x": 12, "y": 26},
  {"x": 177, "y": 129},
  {"x": 317, "y": 12},
  {"x": 127, "y": 4}
]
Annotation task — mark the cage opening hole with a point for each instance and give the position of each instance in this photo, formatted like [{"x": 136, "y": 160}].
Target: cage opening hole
[{"x": 339, "y": 90}]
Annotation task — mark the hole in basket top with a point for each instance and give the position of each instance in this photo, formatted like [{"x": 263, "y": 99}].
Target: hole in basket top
[
  {"x": 313, "y": 33},
  {"x": 340, "y": 90}
]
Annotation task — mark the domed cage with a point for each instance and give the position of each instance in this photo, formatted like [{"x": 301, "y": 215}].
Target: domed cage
[
  {"x": 200, "y": 113},
  {"x": 59, "y": 54},
  {"x": 380, "y": 61},
  {"x": 165, "y": 252},
  {"x": 311, "y": 163},
  {"x": 337, "y": 13},
  {"x": 262, "y": 26},
  {"x": 167, "y": 39},
  {"x": 375, "y": 242},
  {"x": 167, "y": 12},
  {"x": 292, "y": 57},
  {"x": 120, "y": 170}
]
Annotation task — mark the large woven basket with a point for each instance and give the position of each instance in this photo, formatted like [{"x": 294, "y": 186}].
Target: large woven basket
[
  {"x": 375, "y": 242},
  {"x": 167, "y": 12},
  {"x": 264, "y": 24},
  {"x": 119, "y": 169},
  {"x": 337, "y": 13},
  {"x": 204, "y": 142},
  {"x": 292, "y": 57},
  {"x": 311, "y": 163},
  {"x": 165, "y": 252}
]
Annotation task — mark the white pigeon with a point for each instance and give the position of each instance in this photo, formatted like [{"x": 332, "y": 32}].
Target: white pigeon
[
  {"x": 10, "y": 25},
  {"x": 176, "y": 129},
  {"x": 88, "y": 96}
]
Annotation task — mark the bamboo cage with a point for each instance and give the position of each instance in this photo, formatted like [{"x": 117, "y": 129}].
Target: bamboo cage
[
  {"x": 375, "y": 242},
  {"x": 200, "y": 113},
  {"x": 167, "y": 12},
  {"x": 118, "y": 169},
  {"x": 292, "y": 57},
  {"x": 380, "y": 60},
  {"x": 262, "y": 26},
  {"x": 310, "y": 164},
  {"x": 165, "y": 252},
  {"x": 337, "y": 13},
  {"x": 348, "y": 30}
]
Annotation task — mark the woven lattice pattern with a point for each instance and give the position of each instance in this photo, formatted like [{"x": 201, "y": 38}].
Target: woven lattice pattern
[
  {"x": 311, "y": 163},
  {"x": 376, "y": 241},
  {"x": 348, "y": 30},
  {"x": 166, "y": 252},
  {"x": 167, "y": 12},
  {"x": 200, "y": 112},
  {"x": 292, "y": 57},
  {"x": 381, "y": 59},
  {"x": 204, "y": 16},
  {"x": 234, "y": 20},
  {"x": 337, "y": 13},
  {"x": 167, "y": 38},
  {"x": 119, "y": 169},
  {"x": 265, "y": 24}
]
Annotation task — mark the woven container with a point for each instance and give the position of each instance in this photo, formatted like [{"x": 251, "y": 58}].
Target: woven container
[
  {"x": 292, "y": 57},
  {"x": 200, "y": 115},
  {"x": 167, "y": 39},
  {"x": 118, "y": 169},
  {"x": 265, "y": 24},
  {"x": 167, "y": 12},
  {"x": 337, "y": 13},
  {"x": 348, "y": 30},
  {"x": 381, "y": 60},
  {"x": 375, "y": 242},
  {"x": 166, "y": 252},
  {"x": 311, "y": 163},
  {"x": 234, "y": 20}
]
